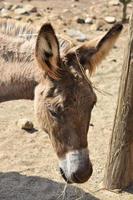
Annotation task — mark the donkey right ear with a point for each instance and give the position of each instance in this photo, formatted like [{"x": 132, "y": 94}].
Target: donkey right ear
[{"x": 47, "y": 51}]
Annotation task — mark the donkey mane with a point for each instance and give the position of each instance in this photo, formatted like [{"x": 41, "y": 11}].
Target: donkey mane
[
  {"x": 18, "y": 31},
  {"x": 13, "y": 28}
]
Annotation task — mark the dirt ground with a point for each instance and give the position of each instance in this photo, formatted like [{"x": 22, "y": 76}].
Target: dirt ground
[{"x": 28, "y": 164}]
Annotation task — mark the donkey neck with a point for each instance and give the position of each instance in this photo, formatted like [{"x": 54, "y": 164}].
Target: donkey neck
[
  {"x": 18, "y": 80},
  {"x": 18, "y": 73}
]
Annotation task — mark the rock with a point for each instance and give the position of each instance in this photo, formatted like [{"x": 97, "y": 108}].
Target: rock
[
  {"x": 74, "y": 6},
  {"x": 25, "y": 124},
  {"x": 89, "y": 20},
  {"x": 65, "y": 11},
  {"x": 114, "y": 60},
  {"x": 117, "y": 191},
  {"x": 49, "y": 8},
  {"x": 25, "y": 10},
  {"x": 30, "y": 8},
  {"x": 5, "y": 13},
  {"x": 3, "y": 10},
  {"x": 38, "y": 14},
  {"x": 114, "y": 3},
  {"x": 80, "y": 21},
  {"x": 110, "y": 19},
  {"x": 30, "y": 20},
  {"x": 82, "y": 38},
  {"x": 78, "y": 35},
  {"x": 21, "y": 11}
]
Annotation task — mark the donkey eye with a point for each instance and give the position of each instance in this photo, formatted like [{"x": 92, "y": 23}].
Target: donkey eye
[
  {"x": 56, "y": 113},
  {"x": 53, "y": 113}
]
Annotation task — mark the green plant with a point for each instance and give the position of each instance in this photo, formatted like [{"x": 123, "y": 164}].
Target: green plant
[{"x": 124, "y": 14}]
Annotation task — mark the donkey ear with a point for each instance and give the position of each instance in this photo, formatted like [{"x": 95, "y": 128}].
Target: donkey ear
[
  {"x": 92, "y": 53},
  {"x": 47, "y": 51}
]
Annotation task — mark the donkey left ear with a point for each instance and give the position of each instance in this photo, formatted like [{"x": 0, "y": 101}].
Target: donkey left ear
[
  {"x": 47, "y": 51},
  {"x": 92, "y": 53}
]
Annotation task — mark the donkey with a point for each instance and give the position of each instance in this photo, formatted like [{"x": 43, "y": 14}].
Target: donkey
[{"x": 36, "y": 69}]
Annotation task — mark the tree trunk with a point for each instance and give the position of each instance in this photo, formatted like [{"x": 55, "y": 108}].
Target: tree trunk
[
  {"x": 119, "y": 169},
  {"x": 124, "y": 12}
]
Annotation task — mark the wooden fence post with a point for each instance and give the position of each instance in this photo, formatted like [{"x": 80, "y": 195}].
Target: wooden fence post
[{"x": 119, "y": 168}]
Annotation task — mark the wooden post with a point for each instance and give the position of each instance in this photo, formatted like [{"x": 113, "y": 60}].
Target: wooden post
[{"x": 119, "y": 168}]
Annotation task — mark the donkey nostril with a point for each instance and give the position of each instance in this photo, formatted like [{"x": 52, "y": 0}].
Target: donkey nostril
[
  {"x": 81, "y": 177},
  {"x": 75, "y": 178}
]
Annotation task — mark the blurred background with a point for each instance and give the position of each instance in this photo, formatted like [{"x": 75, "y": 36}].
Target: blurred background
[{"x": 77, "y": 18}]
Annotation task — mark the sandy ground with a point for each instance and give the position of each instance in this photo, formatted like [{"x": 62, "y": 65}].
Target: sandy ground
[{"x": 28, "y": 164}]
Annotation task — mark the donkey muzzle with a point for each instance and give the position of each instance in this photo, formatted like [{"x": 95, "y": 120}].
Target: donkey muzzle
[{"x": 76, "y": 167}]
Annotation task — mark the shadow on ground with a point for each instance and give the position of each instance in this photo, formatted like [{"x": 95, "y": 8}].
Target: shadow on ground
[
  {"x": 129, "y": 189},
  {"x": 14, "y": 186}
]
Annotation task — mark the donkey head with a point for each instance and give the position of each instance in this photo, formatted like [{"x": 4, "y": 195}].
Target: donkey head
[{"x": 64, "y": 98}]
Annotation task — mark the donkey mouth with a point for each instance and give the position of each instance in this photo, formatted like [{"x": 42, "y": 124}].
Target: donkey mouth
[
  {"x": 76, "y": 167},
  {"x": 75, "y": 178}
]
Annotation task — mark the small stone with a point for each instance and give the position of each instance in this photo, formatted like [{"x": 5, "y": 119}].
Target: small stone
[
  {"x": 117, "y": 191},
  {"x": 49, "y": 8},
  {"x": 30, "y": 8},
  {"x": 80, "y": 21},
  {"x": 25, "y": 124},
  {"x": 21, "y": 11},
  {"x": 5, "y": 13},
  {"x": 30, "y": 20},
  {"x": 38, "y": 14},
  {"x": 65, "y": 11},
  {"x": 78, "y": 35},
  {"x": 110, "y": 19},
  {"x": 73, "y": 5},
  {"x": 89, "y": 20},
  {"x": 25, "y": 10},
  {"x": 114, "y": 60}
]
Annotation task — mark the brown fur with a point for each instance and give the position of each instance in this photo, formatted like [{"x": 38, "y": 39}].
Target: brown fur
[{"x": 63, "y": 97}]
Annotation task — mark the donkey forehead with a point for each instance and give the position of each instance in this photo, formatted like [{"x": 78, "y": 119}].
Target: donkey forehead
[{"x": 77, "y": 92}]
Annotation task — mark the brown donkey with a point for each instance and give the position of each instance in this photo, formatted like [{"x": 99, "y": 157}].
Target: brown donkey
[{"x": 64, "y": 97}]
